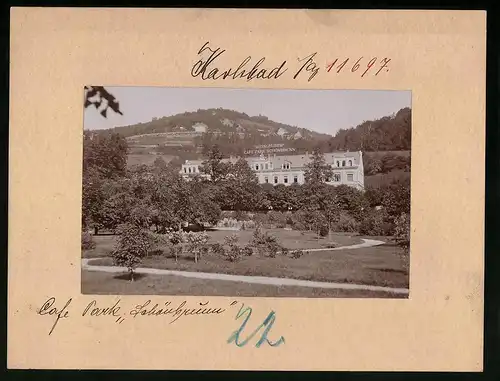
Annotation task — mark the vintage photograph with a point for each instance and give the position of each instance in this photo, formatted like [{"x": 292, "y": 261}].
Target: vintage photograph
[{"x": 246, "y": 192}]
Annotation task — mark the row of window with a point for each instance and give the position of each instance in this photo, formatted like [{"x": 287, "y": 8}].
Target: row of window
[
  {"x": 193, "y": 169},
  {"x": 268, "y": 166},
  {"x": 343, "y": 162},
  {"x": 285, "y": 179},
  {"x": 336, "y": 178}
]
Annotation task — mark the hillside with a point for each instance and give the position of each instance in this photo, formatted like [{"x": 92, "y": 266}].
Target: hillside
[{"x": 386, "y": 141}]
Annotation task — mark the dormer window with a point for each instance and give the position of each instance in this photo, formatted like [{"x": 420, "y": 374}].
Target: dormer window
[
  {"x": 185, "y": 170},
  {"x": 256, "y": 167},
  {"x": 189, "y": 169},
  {"x": 343, "y": 163},
  {"x": 338, "y": 163},
  {"x": 286, "y": 166},
  {"x": 350, "y": 163}
]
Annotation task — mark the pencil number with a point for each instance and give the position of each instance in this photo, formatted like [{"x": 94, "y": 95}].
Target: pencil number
[{"x": 363, "y": 66}]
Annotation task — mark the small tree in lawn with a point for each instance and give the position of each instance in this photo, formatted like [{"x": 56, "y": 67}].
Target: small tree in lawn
[
  {"x": 133, "y": 245},
  {"x": 176, "y": 238},
  {"x": 196, "y": 241}
]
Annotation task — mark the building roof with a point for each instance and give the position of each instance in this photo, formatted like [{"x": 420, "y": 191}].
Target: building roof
[{"x": 296, "y": 161}]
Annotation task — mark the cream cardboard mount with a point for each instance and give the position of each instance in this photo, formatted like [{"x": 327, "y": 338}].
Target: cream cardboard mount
[{"x": 438, "y": 55}]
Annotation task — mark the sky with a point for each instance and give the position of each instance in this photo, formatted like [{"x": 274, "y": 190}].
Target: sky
[{"x": 324, "y": 111}]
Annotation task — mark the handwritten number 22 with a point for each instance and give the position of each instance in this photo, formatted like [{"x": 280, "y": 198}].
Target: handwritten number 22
[{"x": 267, "y": 323}]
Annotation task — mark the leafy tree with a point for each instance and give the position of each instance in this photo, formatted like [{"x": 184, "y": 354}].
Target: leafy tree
[
  {"x": 214, "y": 166},
  {"x": 241, "y": 190},
  {"x": 196, "y": 241},
  {"x": 396, "y": 198},
  {"x": 132, "y": 246},
  {"x": 106, "y": 154},
  {"x": 317, "y": 171}
]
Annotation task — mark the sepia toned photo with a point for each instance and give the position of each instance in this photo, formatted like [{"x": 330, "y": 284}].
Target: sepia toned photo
[{"x": 246, "y": 192}]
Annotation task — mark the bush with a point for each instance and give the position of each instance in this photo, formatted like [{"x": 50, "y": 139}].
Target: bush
[
  {"x": 218, "y": 249},
  {"x": 377, "y": 223},
  {"x": 346, "y": 223},
  {"x": 285, "y": 251},
  {"x": 231, "y": 240},
  {"x": 88, "y": 242},
  {"x": 296, "y": 254},
  {"x": 402, "y": 232},
  {"x": 323, "y": 230},
  {"x": 228, "y": 223},
  {"x": 248, "y": 251},
  {"x": 246, "y": 225},
  {"x": 234, "y": 253},
  {"x": 277, "y": 219}
]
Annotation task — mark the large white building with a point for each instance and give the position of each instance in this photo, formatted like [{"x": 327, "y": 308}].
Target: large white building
[{"x": 289, "y": 169}]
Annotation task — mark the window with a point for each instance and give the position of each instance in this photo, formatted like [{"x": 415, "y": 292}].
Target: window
[
  {"x": 267, "y": 166},
  {"x": 343, "y": 163},
  {"x": 338, "y": 163},
  {"x": 266, "y": 179},
  {"x": 189, "y": 169},
  {"x": 350, "y": 177},
  {"x": 336, "y": 177},
  {"x": 185, "y": 170},
  {"x": 256, "y": 167},
  {"x": 285, "y": 179},
  {"x": 276, "y": 179},
  {"x": 295, "y": 179},
  {"x": 350, "y": 163},
  {"x": 287, "y": 165}
]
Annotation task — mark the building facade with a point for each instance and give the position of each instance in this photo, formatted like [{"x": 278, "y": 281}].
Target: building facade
[{"x": 289, "y": 169}]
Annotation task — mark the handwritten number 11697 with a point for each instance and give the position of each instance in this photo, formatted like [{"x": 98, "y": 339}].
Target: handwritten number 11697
[{"x": 374, "y": 65}]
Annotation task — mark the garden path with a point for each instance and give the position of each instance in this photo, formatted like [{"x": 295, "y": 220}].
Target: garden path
[{"x": 256, "y": 279}]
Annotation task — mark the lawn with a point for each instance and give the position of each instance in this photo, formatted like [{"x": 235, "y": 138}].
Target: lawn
[
  {"x": 112, "y": 284},
  {"x": 380, "y": 265},
  {"x": 291, "y": 239}
]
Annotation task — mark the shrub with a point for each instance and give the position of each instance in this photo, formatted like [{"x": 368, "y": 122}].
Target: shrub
[
  {"x": 88, "y": 242},
  {"x": 231, "y": 240},
  {"x": 277, "y": 219},
  {"x": 218, "y": 249},
  {"x": 234, "y": 253},
  {"x": 323, "y": 230},
  {"x": 246, "y": 225},
  {"x": 346, "y": 223},
  {"x": 241, "y": 216},
  {"x": 248, "y": 251},
  {"x": 228, "y": 223},
  {"x": 376, "y": 223},
  {"x": 296, "y": 254},
  {"x": 402, "y": 232},
  {"x": 285, "y": 251}
]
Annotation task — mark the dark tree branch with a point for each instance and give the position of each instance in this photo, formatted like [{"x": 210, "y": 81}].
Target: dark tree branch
[{"x": 95, "y": 95}]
